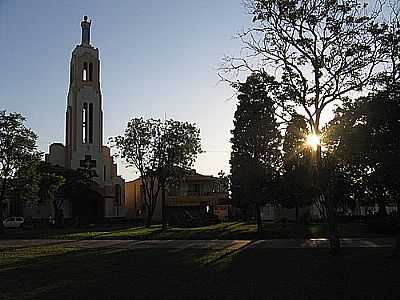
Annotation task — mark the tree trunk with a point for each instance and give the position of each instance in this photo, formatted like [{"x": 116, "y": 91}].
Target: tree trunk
[
  {"x": 2, "y": 194},
  {"x": 59, "y": 218},
  {"x": 148, "y": 220},
  {"x": 164, "y": 208},
  {"x": 398, "y": 208},
  {"x": 396, "y": 250},
  {"x": 334, "y": 240},
  {"x": 244, "y": 214},
  {"x": 1, "y": 217},
  {"x": 259, "y": 221},
  {"x": 329, "y": 204},
  {"x": 149, "y": 217},
  {"x": 382, "y": 212}
]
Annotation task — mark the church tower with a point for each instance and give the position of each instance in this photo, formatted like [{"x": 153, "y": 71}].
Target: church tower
[
  {"x": 84, "y": 147},
  {"x": 84, "y": 116}
]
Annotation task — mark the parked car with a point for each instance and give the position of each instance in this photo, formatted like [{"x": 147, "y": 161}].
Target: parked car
[{"x": 13, "y": 222}]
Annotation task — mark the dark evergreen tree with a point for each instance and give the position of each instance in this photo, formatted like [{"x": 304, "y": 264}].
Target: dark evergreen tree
[
  {"x": 256, "y": 140},
  {"x": 296, "y": 183}
]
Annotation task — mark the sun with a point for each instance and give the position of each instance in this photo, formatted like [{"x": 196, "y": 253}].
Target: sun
[{"x": 313, "y": 141}]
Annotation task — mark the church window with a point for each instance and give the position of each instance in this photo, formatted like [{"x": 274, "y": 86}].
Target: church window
[
  {"x": 85, "y": 72},
  {"x": 91, "y": 123},
  {"x": 117, "y": 195},
  {"x": 91, "y": 72},
  {"x": 84, "y": 123}
]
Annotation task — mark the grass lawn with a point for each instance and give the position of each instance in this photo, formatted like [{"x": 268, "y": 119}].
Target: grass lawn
[
  {"x": 229, "y": 230},
  {"x": 55, "y": 272}
]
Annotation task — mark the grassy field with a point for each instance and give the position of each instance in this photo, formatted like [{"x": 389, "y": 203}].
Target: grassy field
[
  {"x": 56, "y": 272},
  {"x": 229, "y": 230}
]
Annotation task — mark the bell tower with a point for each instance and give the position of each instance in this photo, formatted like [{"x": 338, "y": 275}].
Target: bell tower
[
  {"x": 84, "y": 116},
  {"x": 84, "y": 133}
]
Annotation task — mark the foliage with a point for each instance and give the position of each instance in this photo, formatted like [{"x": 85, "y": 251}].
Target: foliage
[
  {"x": 365, "y": 134},
  {"x": 51, "y": 179},
  {"x": 17, "y": 152},
  {"x": 24, "y": 186},
  {"x": 224, "y": 181},
  {"x": 159, "y": 151},
  {"x": 180, "y": 147},
  {"x": 141, "y": 146},
  {"x": 57, "y": 183},
  {"x": 320, "y": 52},
  {"x": 296, "y": 174},
  {"x": 255, "y": 142}
]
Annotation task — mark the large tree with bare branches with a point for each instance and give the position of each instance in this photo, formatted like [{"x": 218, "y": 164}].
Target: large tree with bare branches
[{"x": 320, "y": 51}]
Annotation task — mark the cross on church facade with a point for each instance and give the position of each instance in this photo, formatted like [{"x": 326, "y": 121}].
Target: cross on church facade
[
  {"x": 84, "y": 150},
  {"x": 88, "y": 163}
]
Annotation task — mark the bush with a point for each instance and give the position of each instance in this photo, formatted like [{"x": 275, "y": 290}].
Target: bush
[
  {"x": 384, "y": 225},
  {"x": 305, "y": 218}
]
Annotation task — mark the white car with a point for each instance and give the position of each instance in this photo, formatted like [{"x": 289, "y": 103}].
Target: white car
[{"x": 13, "y": 222}]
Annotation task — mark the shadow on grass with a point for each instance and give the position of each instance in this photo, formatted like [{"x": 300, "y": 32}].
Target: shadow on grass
[
  {"x": 229, "y": 230},
  {"x": 59, "y": 233},
  {"x": 250, "y": 273},
  {"x": 101, "y": 273}
]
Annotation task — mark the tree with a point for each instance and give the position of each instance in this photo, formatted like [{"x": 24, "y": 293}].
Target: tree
[
  {"x": 51, "y": 180},
  {"x": 56, "y": 184},
  {"x": 141, "y": 146},
  {"x": 224, "y": 181},
  {"x": 295, "y": 180},
  {"x": 255, "y": 146},
  {"x": 320, "y": 52},
  {"x": 158, "y": 150},
  {"x": 23, "y": 186},
  {"x": 17, "y": 151},
  {"x": 180, "y": 147},
  {"x": 364, "y": 131}
]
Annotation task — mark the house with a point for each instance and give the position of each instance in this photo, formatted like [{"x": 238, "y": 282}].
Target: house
[{"x": 194, "y": 194}]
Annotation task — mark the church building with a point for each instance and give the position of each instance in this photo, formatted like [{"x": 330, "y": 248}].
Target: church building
[{"x": 84, "y": 130}]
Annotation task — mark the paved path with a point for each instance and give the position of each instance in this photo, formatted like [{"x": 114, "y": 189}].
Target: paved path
[{"x": 201, "y": 244}]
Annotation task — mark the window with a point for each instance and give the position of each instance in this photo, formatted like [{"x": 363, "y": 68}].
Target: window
[
  {"x": 118, "y": 195},
  {"x": 91, "y": 72},
  {"x": 104, "y": 173},
  {"x": 85, "y": 72},
  {"x": 84, "y": 123},
  {"x": 91, "y": 123}
]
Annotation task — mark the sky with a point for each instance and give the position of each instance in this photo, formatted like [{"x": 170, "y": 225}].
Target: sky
[{"x": 158, "y": 58}]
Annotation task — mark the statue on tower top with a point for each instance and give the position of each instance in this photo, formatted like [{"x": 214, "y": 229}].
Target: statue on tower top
[{"x": 85, "y": 24}]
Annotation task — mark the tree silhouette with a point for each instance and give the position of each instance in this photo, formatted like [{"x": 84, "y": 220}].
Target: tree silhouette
[{"x": 255, "y": 147}]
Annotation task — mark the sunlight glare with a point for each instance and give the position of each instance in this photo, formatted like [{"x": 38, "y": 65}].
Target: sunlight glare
[{"x": 313, "y": 141}]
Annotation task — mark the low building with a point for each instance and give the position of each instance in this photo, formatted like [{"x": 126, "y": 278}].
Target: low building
[{"x": 194, "y": 194}]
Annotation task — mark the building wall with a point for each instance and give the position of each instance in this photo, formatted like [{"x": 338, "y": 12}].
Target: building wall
[
  {"x": 56, "y": 154},
  {"x": 185, "y": 196}
]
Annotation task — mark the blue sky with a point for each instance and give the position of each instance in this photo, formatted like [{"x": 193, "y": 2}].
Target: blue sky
[{"x": 157, "y": 57}]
